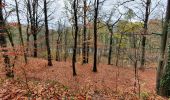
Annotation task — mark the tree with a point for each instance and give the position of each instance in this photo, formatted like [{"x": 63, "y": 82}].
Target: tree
[
  {"x": 32, "y": 8},
  {"x": 3, "y": 44},
  {"x": 75, "y": 2},
  {"x": 165, "y": 80},
  {"x": 8, "y": 31},
  {"x": 59, "y": 41},
  {"x": 84, "y": 33},
  {"x": 47, "y": 34},
  {"x": 162, "y": 51},
  {"x": 96, "y": 8},
  {"x": 66, "y": 44},
  {"x": 147, "y": 13},
  {"x": 110, "y": 27},
  {"x": 20, "y": 31}
]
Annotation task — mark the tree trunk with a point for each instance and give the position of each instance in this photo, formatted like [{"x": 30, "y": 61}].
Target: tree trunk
[
  {"x": 66, "y": 46},
  {"x": 32, "y": 10},
  {"x": 95, "y": 35},
  {"x": 145, "y": 32},
  {"x": 20, "y": 31},
  {"x": 57, "y": 50},
  {"x": 47, "y": 34},
  {"x": 84, "y": 33},
  {"x": 35, "y": 45},
  {"x": 3, "y": 45},
  {"x": 88, "y": 47},
  {"x": 165, "y": 80},
  {"x": 118, "y": 50},
  {"x": 110, "y": 48},
  {"x": 162, "y": 50},
  {"x": 75, "y": 38},
  {"x": 28, "y": 35}
]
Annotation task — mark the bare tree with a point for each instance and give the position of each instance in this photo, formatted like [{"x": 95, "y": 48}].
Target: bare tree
[
  {"x": 75, "y": 2},
  {"x": 47, "y": 34},
  {"x": 33, "y": 16},
  {"x": 110, "y": 26},
  {"x": 147, "y": 13},
  {"x": 96, "y": 12},
  {"x": 20, "y": 31},
  {"x": 59, "y": 41},
  {"x": 85, "y": 32}
]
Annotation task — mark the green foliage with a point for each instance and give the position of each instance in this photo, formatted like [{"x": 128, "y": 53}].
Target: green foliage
[
  {"x": 144, "y": 95},
  {"x": 124, "y": 38},
  {"x": 129, "y": 27}
]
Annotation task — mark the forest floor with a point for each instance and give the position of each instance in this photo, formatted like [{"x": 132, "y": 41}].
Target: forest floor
[{"x": 37, "y": 81}]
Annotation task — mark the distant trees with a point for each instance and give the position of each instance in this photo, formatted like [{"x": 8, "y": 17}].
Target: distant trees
[{"x": 3, "y": 44}]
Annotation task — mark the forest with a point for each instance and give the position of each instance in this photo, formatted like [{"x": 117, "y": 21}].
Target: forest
[{"x": 84, "y": 50}]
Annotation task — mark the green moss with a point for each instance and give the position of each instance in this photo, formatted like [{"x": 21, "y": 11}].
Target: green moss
[{"x": 165, "y": 81}]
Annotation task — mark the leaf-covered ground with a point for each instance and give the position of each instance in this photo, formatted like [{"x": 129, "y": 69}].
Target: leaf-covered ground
[{"x": 37, "y": 81}]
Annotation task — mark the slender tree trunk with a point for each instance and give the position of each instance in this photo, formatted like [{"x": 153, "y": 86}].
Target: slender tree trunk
[
  {"x": 162, "y": 50},
  {"x": 110, "y": 48},
  {"x": 84, "y": 33},
  {"x": 58, "y": 42},
  {"x": 148, "y": 3},
  {"x": 35, "y": 45},
  {"x": 32, "y": 10},
  {"x": 118, "y": 50},
  {"x": 3, "y": 45},
  {"x": 88, "y": 47},
  {"x": 58, "y": 51},
  {"x": 32, "y": 27},
  {"x": 95, "y": 35},
  {"x": 28, "y": 36},
  {"x": 20, "y": 31},
  {"x": 75, "y": 38},
  {"x": 47, "y": 34},
  {"x": 79, "y": 43},
  {"x": 66, "y": 46}
]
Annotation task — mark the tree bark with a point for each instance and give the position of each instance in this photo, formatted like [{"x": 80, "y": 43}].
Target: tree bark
[
  {"x": 84, "y": 33},
  {"x": 110, "y": 49},
  {"x": 35, "y": 44},
  {"x": 75, "y": 38},
  {"x": 148, "y": 3},
  {"x": 20, "y": 31},
  {"x": 162, "y": 50},
  {"x": 88, "y": 47},
  {"x": 95, "y": 35},
  {"x": 66, "y": 46},
  {"x": 3, "y": 45},
  {"x": 47, "y": 34}
]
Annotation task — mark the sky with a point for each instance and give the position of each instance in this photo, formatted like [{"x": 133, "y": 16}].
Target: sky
[{"x": 57, "y": 9}]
